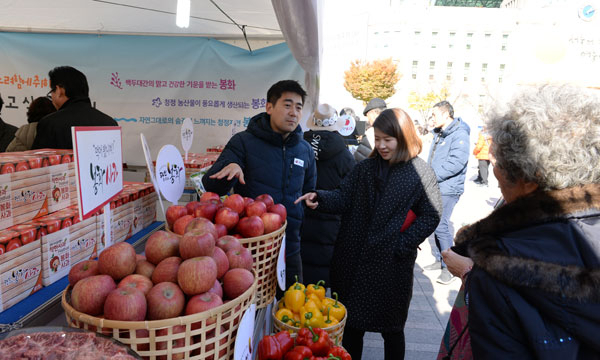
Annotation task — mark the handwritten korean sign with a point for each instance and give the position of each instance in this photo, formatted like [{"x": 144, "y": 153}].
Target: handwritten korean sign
[
  {"x": 99, "y": 166},
  {"x": 170, "y": 173}
]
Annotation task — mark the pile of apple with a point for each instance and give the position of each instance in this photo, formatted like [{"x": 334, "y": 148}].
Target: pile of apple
[{"x": 238, "y": 216}]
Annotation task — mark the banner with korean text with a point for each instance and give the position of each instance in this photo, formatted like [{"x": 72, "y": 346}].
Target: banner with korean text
[{"x": 149, "y": 84}]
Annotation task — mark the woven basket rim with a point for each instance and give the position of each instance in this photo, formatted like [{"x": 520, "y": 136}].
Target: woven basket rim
[
  {"x": 157, "y": 324},
  {"x": 245, "y": 240}
]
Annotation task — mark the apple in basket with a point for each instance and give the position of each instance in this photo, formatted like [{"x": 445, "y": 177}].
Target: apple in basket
[
  {"x": 227, "y": 217},
  {"x": 82, "y": 270},
  {"x": 221, "y": 230},
  {"x": 208, "y": 196},
  {"x": 251, "y": 226},
  {"x": 191, "y": 207},
  {"x": 196, "y": 243},
  {"x": 176, "y": 343},
  {"x": 206, "y": 210},
  {"x": 197, "y": 275},
  {"x": 165, "y": 301},
  {"x": 240, "y": 258},
  {"x": 166, "y": 270},
  {"x": 89, "y": 294},
  {"x": 271, "y": 221},
  {"x": 125, "y": 304},
  {"x": 248, "y": 201},
  {"x": 229, "y": 242},
  {"x": 173, "y": 213},
  {"x": 160, "y": 246},
  {"x": 235, "y": 202},
  {"x": 236, "y": 282},
  {"x": 266, "y": 198},
  {"x": 136, "y": 281},
  {"x": 145, "y": 268},
  {"x": 202, "y": 225},
  {"x": 221, "y": 260},
  {"x": 217, "y": 289},
  {"x": 278, "y": 209},
  {"x": 200, "y": 303},
  {"x": 181, "y": 224},
  {"x": 256, "y": 208},
  {"x": 117, "y": 261}
]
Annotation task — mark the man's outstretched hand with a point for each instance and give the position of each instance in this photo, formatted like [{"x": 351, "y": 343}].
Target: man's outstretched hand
[{"x": 230, "y": 171}]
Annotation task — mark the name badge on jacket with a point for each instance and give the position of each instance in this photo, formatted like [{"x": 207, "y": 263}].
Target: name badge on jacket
[{"x": 298, "y": 162}]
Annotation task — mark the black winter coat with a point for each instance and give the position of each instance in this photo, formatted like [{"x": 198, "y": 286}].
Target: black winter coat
[
  {"x": 284, "y": 169},
  {"x": 534, "y": 292},
  {"x": 7, "y": 134},
  {"x": 372, "y": 266},
  {"x": 54, "y": 130},
  {"x": 319, "y": 230}
]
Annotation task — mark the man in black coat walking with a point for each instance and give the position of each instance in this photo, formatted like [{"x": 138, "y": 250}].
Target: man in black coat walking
[
  {"x": 7, "y": 131},
  {"x": 70, "y": 95}
]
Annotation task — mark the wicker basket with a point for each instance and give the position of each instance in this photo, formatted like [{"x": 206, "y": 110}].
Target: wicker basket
[
  {"x": 203, "y": 336},
  {"x": 265, "y": 251},
  {"x": 336, "y": 332}
]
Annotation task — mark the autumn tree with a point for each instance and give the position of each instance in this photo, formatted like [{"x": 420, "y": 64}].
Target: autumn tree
[
  {"x": 424, "y": 102},
  {"x": 368, "y": 80}
]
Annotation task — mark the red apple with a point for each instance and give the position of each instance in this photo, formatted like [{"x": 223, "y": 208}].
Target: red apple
[
  {"x": 196, "y": 243},
  {"x": 227, "y": 217},
  {"x": 89, "y": 294},
  {"x": 271, "y": 222},
  {"x": 197, "y": 275},
  {"x": 229, "y": 242},
  {"x": 235, "y": 202},
  {"x": 145, "y": 268},
  {"x": 278, "y": 209},
  {"x": 136, "y": 281},
  {"x": 178, "y": 342},
  {"x": 206, "y": 210},
  {"x": 117, "y": 261},
  {"x": 28, "y": 233},
  {"x": 35, "y": 163},
  {"x": 54, "y": 159},
  {"x": 248, "y": 201},
  {"x": 166, "y": 270},
  {"x": 165, "y": 301},
  {"x": 138, "y": 257},
  {"x": 208, "y": 196},
  {"x": 217, "y": 289},
  {"x": 221, "y": 230},
  {"x": 240, "y": 258},
  {"x": 251, "y": 226},
  {"x": 125, "y": 304},
  {"x": 256, "y": 208},
  {"x": 236, "y": 282},
  {"x": 7, "y": 168},
  {"x": 52, "y": 225},
  {"x": 191, "y": 207},
  {"x": 266, "y": 198},
  {"x": 221, "y": 260},
  {"x": 202, "y": 225},
  {"x": 203, "y": 302},
  {"x": 22, "y": 166},
  {"x": 174, "y": 212},
  {"x": 181, "y": 224},
  {"x": 83, "y": 270},
  {"x": 160, "y": 246}
]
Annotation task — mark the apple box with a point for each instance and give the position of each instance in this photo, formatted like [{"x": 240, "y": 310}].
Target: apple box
[
  {"x": 83, "y": 236},
  {"x": 20, "y": 268}
]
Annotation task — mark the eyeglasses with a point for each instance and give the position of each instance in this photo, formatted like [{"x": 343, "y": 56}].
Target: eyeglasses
[{"x": 49, "y": 94}]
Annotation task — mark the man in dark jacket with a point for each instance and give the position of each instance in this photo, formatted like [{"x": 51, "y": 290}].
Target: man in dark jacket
[
  {"x": 271, "y": 157},
  {"x": 69, "y": 91},
  {"x": 371, "y": 111},
  {"x": 7, "y": 131},
  {"x": 448, "y": 157}
]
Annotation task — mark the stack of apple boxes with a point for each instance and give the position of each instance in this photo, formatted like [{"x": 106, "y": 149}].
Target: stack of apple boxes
[
  {"x": 40, "y": 232},
  {"x": 199, "y": 162}
]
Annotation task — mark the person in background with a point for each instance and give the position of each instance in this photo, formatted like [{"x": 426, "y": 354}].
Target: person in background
[
  {"x": 372, "y": 110},
  {"x": 533, "y": 287},
  {"x": 376, "y": 247},
  {"x": 481, "y": 152},
  {"x": 271, "y": 157},
  {"x": 334, "y": 162},
  {"x": 448, "y": 157},
  {"x": 7, "y": 131},
  {"x": 70, "y": 95},
  {"x": 24, "y": 137}
]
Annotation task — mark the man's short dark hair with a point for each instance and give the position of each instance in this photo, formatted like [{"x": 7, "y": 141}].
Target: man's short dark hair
[
  {"x": 72, "y": 80},
  {"x": 1, "y": 102},
  {"x": 445, "y": 106},
  {"x": 282, "y": 86}
]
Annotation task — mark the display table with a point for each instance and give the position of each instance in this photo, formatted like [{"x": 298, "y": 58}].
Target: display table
[{"x": 44, "y": 305}]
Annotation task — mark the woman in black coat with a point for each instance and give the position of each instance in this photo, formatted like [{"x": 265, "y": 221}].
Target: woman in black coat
[
  {"x": 334, "y": 162},
  {"x": 373, "y": 260}
]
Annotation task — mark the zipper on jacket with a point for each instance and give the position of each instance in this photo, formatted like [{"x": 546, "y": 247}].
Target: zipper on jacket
[{"x": 283, "y": 175}]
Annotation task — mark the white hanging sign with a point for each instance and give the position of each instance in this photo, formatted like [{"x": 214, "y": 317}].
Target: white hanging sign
[
  {"x": 348, "y": 125},
  {"x": 148, "y": 157},
  {"x": 170, "y": 173},
  {"x": 281, "y": 265},
  {"x": 245, "y": 334},
  {"x": 187, "y": 136},
  {"x": 98, "y": 166}
]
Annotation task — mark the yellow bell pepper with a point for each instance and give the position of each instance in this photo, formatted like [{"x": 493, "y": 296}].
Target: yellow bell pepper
[
  {"x": 310, "y": 315},
  {"x": 315, "y": 298},
  {"x": 286, "y": 316},
  {"x": 330, "y": 321},
  {"x": 338, "y": 310},
  {"x": 281, "y": 305},
  {"x": 296, "y": 284},
  {"x": 294, "y": 297},
  {"x": 317, "y": 289}
]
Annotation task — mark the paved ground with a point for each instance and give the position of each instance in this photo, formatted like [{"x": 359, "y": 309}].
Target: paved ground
[{"x": 431, "y": 302}]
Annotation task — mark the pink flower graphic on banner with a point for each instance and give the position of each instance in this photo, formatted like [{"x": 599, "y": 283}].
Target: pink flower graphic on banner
[{"x": 115, "y": 81}]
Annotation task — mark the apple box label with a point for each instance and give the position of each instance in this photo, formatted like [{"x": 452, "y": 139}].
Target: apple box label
[
  {"x": 170, "y": 173},
  {"x": 281, "y": 265},
  {"x": 348, "y": 125},
  {"x": 243, "y": 341},
  {"x": 148, "y": 157},
  {"x": 187, "y": 135},
  {"x": 5, "y": 203},
  {"x": 58, "y": 254},
  {"x": 59, "y": 187}
]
